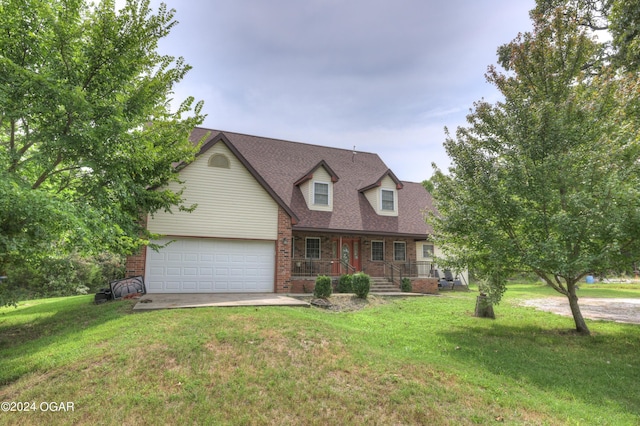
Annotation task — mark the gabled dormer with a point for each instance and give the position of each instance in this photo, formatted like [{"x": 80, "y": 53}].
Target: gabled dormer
[
  {"x": 383, "y": 194},
  {"x": 317, "y": 187}
]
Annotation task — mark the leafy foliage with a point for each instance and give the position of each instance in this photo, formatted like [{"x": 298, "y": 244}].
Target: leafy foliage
[
  {"x": 547, "y": 180},
  {"x": 323, "y": 287},
  {"x": 86, "y": 125},
  {"x": 345, "y": 284},
  {"x": 406, "y": 286},
  {"x": 53, "y": 276},
  {"x": 361, "y": 284}
]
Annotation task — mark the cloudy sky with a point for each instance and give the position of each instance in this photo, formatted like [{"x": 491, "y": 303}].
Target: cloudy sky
[{"x": 384, "y": 75}]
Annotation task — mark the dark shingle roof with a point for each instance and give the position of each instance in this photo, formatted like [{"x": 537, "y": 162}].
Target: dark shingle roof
[{"x": 281, "y": 164}]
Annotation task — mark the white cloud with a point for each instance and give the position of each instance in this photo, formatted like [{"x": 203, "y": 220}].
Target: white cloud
[{"x": 386, "y": 76}]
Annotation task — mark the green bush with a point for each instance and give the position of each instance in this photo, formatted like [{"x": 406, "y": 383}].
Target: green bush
[
  {"x": 361, "y": 283},
  {"x": 344, "y": 284},
  {"x": 54, "y": 276},
  {"x": 323, "y": 287},
  {"x": 406, "y": 285}
]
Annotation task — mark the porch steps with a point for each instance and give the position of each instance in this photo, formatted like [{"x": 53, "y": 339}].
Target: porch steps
[{"x": 382, "y": 285}]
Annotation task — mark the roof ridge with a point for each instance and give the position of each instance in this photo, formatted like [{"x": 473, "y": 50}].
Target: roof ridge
[{"x": 286, "y": 140}]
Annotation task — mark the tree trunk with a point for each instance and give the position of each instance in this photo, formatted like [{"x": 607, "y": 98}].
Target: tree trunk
[
  {"x": 484, "y": 308},
  {"x": 581, "y": 325}
]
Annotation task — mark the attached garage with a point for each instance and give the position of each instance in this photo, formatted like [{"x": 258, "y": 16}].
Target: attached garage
[{"x": 210, "y": 265}]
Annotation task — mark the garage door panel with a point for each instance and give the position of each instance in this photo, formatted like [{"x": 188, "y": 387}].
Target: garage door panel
[
  {"x": 191, "y": 265},
  {"x": 189, "y": 285},
  {"x": 174, "y": 271},
  {"x": 205, "y": 286},
  {"x": 155, "y": 256},
  {"x": 173, "y": 285},
  {"x": 154, "y": 286},
  {"x": 190, "y": 257},
  {"x": 221, "y": 286}
]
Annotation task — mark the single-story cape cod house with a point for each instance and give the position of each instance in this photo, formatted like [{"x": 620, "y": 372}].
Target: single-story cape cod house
[{"x": 272, "y": 215}]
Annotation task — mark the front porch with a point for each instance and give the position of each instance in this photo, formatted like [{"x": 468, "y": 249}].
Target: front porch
[
  {"x": 386, "y": 259},
  {"x": 392, "y": 271},
  {"x": 385, "y": 278}
]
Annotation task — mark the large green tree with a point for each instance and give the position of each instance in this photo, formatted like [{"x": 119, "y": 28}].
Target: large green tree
[
  {"x": 548, "y": 179},
  {"x": 87, "y": 126}
]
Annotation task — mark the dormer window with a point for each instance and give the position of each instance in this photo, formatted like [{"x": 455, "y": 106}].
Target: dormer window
[
  {"x": 317, "y": 187},
  {"x": 321, "y": 194},
  {"x": 387, "y": 198},
  {"x": 383, "y": 194}
]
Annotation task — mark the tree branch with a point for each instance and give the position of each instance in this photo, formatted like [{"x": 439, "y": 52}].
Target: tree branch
[
  {"x": 47, "y": 173},
  {"x": 557, "y": 286}
]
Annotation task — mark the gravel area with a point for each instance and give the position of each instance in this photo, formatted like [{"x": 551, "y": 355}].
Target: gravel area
[{"x": 618, "y": 310}]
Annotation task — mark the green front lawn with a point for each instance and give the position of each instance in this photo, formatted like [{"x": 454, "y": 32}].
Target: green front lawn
[{"x": 411, "y": 361}]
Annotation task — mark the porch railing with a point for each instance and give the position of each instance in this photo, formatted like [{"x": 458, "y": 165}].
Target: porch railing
[
  {"x": 315, "y": 267},
  {"x": 419, "y": 269},
  {"x": 395, "y": 271}
]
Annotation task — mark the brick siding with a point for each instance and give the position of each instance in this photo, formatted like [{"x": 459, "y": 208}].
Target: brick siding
[
  {"x": 424, "y": 285},
  {"x": 373, "y": 268},
  {"x": 283, "y": 253},
  {"x": 135, "y": 263}
]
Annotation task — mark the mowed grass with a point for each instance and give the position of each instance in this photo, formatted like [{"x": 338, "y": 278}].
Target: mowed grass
[{"x": 420, "y": 360}]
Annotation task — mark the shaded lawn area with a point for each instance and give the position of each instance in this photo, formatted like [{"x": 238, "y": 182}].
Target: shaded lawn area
[{"x": 410, "y": 361}]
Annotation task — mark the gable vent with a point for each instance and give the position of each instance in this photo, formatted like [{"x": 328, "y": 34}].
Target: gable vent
[{"x": 219, "y": 160}]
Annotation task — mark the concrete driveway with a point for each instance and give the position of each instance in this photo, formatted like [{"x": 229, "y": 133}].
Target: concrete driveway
[{"x": 151, "y": 301}]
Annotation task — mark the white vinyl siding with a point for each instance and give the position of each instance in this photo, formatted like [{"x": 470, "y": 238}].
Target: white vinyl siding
[
  {"x": 374, "y": 196},
  {"x": 230, "y": 202}
]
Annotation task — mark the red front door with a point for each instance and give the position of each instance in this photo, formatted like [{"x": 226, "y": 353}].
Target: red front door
[{"x": 346, "y": 252}]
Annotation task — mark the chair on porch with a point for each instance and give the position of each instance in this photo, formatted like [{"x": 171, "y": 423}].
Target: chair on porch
[
  {"x": 443, "y": 283},
  {"x": 453, "y": 282}
]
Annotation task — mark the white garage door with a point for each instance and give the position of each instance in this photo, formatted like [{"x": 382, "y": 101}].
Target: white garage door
[{"x": 204, "y": 265}]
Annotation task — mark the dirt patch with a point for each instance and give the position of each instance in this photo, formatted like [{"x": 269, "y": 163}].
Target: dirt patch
[
  {"x": 346, "y": 302},
  {"x": 618, "y": 310}
]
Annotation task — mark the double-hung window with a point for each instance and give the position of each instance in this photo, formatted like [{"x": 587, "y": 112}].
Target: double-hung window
[
  {"x": 321, "y": 193},
  {"x": 399, "y": 251},
  {"x": 312, "y": 248},
  {"x": 388, "y": 200},
  {"x": 377, "y": 250},
  {"x": 427, "y": 251}
]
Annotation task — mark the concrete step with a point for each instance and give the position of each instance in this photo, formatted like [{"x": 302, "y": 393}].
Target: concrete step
[
  {"x": 383, "y": 287},
  {"x": 379, "y": 281}
]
